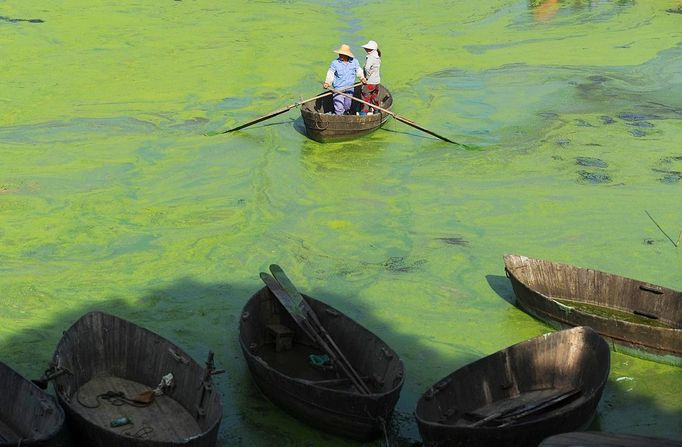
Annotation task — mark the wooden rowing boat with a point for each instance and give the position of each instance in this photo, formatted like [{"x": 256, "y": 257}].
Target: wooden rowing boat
[
  {"x": 125, "y": 386},
  {"x": 28, "y": 415},
  {"x": 597, "y": 439},
  {"x": 520, "y": 395},
  {"x": 323, "y": 125},
  {"x": 639, "y": 318},
  {"x": 292, "y": 371}
]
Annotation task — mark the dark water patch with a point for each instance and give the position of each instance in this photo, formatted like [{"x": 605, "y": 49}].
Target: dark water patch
[
  {"x": 637, "y": 133},
  {"x": 548, "y": 115},
  {"x": 454, "y": 240},
  {"x": 598, "y": 78},
  {"x": 12, "y": 20},
  {"x": 582, "y": 123},
  {"x": 649, "y": 241},
  {"x": 594, "y": 177},
  {"x": 637, "y": 116},
  {"x": 563, "y": 142},
  {"x": 398, "y": 264},
  {"x": 593, "y": 144},
  {"x": 605, "y": 119},
  {"x": 646, "y": 124},
  {"x": 671, "y": 178},
  {"x": 591, "y": 162},
  {"x": 675, "y": 11}
]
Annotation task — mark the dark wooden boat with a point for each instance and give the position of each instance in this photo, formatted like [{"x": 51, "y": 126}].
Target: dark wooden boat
[
  {"x": 28, "y": 415},
  {"x": 323, "y": 125},
  {"x": 106, "y": 368},
  {"x": 639, "y": 318},
  {"x": 597, "y": 439},
  {"x": 520, "y": 395},
  {"x": 282, "y": 361}
]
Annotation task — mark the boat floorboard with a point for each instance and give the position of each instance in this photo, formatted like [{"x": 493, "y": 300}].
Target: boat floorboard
[
  {"x": 296, "y": 363},
  {"x": 164, "y": 420},
  {"x": 504, "y": 405},
  {"x": 7, "y": 435}
]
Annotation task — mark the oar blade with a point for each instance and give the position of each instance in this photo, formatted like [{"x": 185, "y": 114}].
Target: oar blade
[
  {"x": 285, "y": 299},
  {"x": 260, "y": 118},
  {"x": 291, "y": 289}
]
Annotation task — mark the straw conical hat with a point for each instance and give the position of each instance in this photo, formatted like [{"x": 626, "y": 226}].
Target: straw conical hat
[{"x": 344, "y": 49}]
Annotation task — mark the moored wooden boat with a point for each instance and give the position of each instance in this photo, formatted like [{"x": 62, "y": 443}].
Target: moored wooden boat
[
  {"x": 125, "y": 386},
  {"x": 28, "y": 415},
  {"x": 291, "y": 370},
  {"x": 598, "y": 439},
  {"x": 323, "y": 125},
  {"x": 639, "y": 318},
  {"x": 520, "y": 395}
]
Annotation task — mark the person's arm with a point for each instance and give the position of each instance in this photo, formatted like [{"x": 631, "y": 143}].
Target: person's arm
[
  {"x": 329, "y": 79},
  {"x": 360, "y": 74}
]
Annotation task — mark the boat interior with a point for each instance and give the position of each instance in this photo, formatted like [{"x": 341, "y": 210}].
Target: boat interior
[
  {"x": 113, "y": 370},
  {"x": 273, "y": 336}
]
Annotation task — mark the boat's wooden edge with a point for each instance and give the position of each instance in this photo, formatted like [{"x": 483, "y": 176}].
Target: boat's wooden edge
[{"x": 604, "y": 439}]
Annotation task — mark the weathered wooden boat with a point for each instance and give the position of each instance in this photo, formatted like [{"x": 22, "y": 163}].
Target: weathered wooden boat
[
  {"x": 639, "y": 318},
  {"x": 28, "y": 415},
  {"x": 323, "y": 125},
  {"x": 122, "y": 385},
  {"x": 520, "y": 395},
  {"x": 291, "y": 370},
  {"x": 598, "y": 439}
]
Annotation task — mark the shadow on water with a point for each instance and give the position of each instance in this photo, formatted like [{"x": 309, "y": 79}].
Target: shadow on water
[
  {"x": 200, "y": 317},
  {"x": 501, "y": 286}
]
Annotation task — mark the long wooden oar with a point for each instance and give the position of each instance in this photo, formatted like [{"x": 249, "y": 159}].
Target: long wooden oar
[
  {"x": 306, "y": 318},
  {"x": 286, "y": 283},
  {"x": 307, "y": 325},
  {"x": 398, "y": 117},
  {"x": 279, "y": 111}
]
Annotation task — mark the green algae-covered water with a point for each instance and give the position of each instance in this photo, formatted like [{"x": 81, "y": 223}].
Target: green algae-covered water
[{"x": 112, "y": 197}]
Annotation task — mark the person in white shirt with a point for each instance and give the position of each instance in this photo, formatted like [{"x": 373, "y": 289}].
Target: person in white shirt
[{"x": 370, "y": 90}]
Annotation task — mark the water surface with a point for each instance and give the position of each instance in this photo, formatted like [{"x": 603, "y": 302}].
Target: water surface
[{"x": 112, "y": 196}]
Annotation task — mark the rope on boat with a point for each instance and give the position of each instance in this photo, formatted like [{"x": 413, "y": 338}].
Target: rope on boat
[
  {"x": 144, "y": 432},
  {"x": 144, "y": 399},
  {"x": 384, "y": 431}
]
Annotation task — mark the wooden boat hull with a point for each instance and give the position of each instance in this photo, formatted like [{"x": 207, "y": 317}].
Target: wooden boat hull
[
  {"x": 323, "y": 125},
  {"x": 619, "y": 308},
  {"x": 574, "y": 363},
  {"x": 598, "y": 439},
  {"x": 102, "y": 353},
  {"x": 292, "y": 383},
  {"x": 28, "y": 415}
]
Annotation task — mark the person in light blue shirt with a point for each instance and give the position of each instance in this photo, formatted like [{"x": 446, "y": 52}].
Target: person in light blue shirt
[{"x": 341, "y": 76}]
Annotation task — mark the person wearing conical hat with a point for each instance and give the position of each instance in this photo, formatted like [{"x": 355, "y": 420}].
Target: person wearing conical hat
[
  {"x": 370, "y": 91},
  {"x": 341, "y": 76}
]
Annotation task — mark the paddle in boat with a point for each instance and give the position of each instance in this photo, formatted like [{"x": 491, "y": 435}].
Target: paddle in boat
[
  {"x": 520, "y": 395},
  {"x": 637, "y": 317},
  {"x": 316, "y": 363},
  {"x": 124, "y": 386},
  {"x": 28, "y": 415}
]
